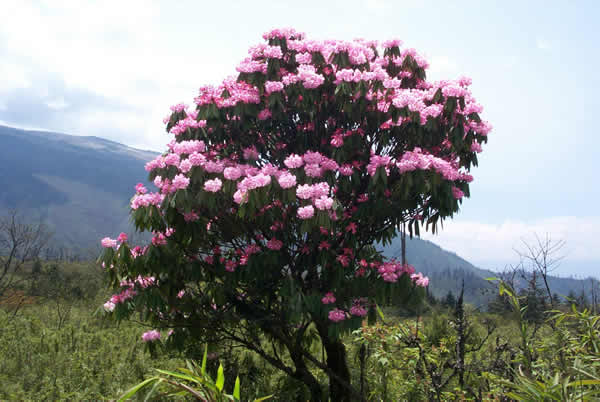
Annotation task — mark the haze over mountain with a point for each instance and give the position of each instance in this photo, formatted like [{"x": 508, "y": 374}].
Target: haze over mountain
[{"x": 81, "y": 187}]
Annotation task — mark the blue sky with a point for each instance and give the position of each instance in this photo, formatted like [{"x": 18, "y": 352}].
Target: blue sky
[{"x": 112, "y": 69}]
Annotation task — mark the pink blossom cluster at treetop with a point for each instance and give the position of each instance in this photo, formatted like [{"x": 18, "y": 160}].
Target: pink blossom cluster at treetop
[{"x": 248, "y": 146}]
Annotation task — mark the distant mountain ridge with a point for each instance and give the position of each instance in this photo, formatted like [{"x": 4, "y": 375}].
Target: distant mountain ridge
[{"x": 81, "y": 187}]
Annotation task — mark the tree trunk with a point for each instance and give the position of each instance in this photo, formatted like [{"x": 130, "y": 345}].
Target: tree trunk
[
  {"x": 339, "y": 380},
  {"x": 316, "y": 393}
]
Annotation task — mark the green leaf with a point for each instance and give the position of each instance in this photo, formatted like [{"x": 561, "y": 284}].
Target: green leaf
[
  {"x": 153, "y": 390},
  {"x": 236, "y": 389},
  {"x": 380, "y": 312},
  {"x": 203, "y": 369},
  {"x": 132, "y": 391},
  {"x": 182, "y": 376},
  {"x": 264, "y": 398},
  {"x": 220, "y": 378}
]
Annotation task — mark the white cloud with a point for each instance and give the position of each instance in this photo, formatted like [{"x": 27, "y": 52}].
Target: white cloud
[
  {"x": 120, "y": 51},
  {"x": 12, "y": 76},
  {"x": 57, "y": 104},
  {"x": 376, "y": 5},
  {"x": 542, "y": 44},
  {"x": 484, "y": 242},
  {"x": 441, "y": 67}
]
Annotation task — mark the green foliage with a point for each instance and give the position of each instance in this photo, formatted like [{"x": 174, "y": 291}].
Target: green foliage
[
  {"x": 58, "y": 348},
  {"x": 400, "y": 358},
  {"x": 87, "y": 358},
  {"x": 191, "y": 381}
]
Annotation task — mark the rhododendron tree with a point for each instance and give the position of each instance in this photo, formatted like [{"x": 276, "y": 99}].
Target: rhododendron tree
[{"x": 275, "y": 188}]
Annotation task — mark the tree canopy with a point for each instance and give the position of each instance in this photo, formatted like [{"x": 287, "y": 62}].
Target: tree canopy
[{"x": 276, "y": 188}]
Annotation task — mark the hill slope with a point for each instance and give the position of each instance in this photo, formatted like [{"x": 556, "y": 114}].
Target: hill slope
[{"x": 80, "y": 186}]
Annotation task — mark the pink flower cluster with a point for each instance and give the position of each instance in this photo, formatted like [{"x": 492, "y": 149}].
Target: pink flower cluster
[
  {"x": 358, "y": 309},
  {"x": 416, "y": 159},
  {"x": 151, "y": 336},
  {"x": 329, "y": 298},
  {"x": 145, "y": 200},
  {"x": 107, "y": 242},
  {"x": 240, "y": 92},
  {"x": 420, "y": 280},
  {"x": 391, "y": 270},
  {"x": 337, "y": 315},
  {"x": 306, "y": 212},
  {"x": 274, "y": 244}
]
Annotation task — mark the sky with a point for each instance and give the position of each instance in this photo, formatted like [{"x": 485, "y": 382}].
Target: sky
[{"x": 113, "y": 68}]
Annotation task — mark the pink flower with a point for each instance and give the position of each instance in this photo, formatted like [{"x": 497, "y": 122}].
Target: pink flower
[
  {"x": 420, "y": 280},
  {"x": 313, "y": 170},
  {"x": 185, "y": 166},
  {"x": 344, "y": 260},
  {"x": 358, "y": 310},
  {"x": 337, "y": 315},
  {"x": 324, "y": 202},
  {"x": 306, "y": 212},
  {"x": 392, "y": 43},
  {"x": 214, "y": 166},
  {"x": 213, "y": 185},
  {"x": 337, "y": 141},
  {"x": 190, "y": 216},
  {"x": 320, "y": 189},
  {"x": 273, "y": 86},
  {"x": 107, "y": 242},
  {"x": 250, "y": 153},
  {"x": 252, "y": 249},
  {"x": 329, "y": 298},
  {"x": 159, "y": 239},
  {"x": 274, "y": 244},
  {"x": 122, "y": 238},
  {"x": 304, "y": 191},
  {"x": 273, "y": 52},
  {"x": 304, "y": 58},
  {"x": 232, "y": 173},
  {"x": 150, "y": 336},
  {"x": 312, "y": 158},
  {"x": 351, "y": 227},
  {"x": 140, "y": 189},
  {"x": 293, "y": 161},
  {"x": 180, "y": 182},
  {"x": 346, "y": 170},
  {"x": 457, "y": 193},
  {"x": 287, "y": 180},
  {"x": 240, "y": 197},
  {"x": 109, "y": 306},
  {"x": 172, "y": 159},
  {"x": 264, "y": 114},
  {"x": 324, "y": 245},
  {"x": 230, "y": 265},
  {"x": 309, "y": 77}
]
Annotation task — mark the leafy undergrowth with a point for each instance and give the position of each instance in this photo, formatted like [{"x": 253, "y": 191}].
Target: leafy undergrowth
[{"x": 87, "y": 358}]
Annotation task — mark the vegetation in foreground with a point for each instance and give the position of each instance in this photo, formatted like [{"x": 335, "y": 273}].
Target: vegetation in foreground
[{"x": 60, "y": 346}]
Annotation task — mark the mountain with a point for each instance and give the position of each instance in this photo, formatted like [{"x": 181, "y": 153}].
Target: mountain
[
  {"x": 445, "y": 269},
  {"x": 79, "y": 186}
]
